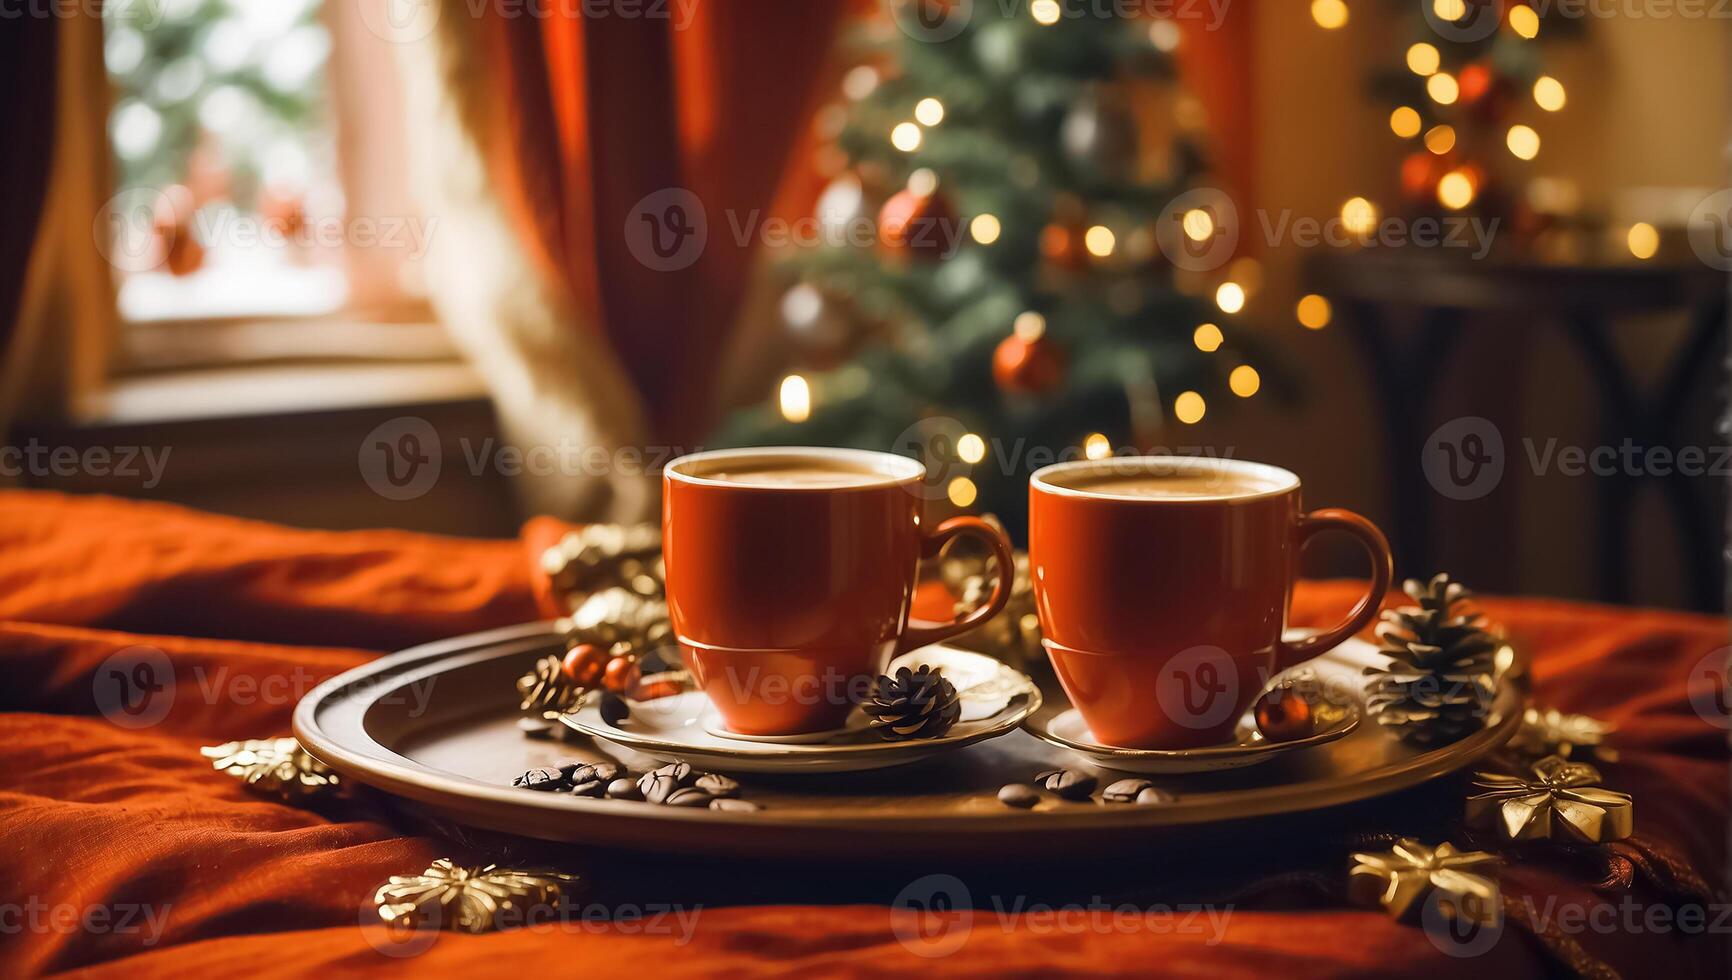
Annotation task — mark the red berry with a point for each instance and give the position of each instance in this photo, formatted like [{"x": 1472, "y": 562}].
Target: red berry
[
  {"x": 1283, "y": 715},
  {"x": 622, "y": 673},
  {"x": 583, "y": 664}
]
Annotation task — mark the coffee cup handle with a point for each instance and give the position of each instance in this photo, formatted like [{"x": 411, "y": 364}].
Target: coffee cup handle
[
  {"x": 919, "y": 633},
  {"x": 1382, "y": 568}
]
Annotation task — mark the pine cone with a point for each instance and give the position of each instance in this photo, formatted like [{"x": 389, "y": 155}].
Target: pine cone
[
  {"x": 546, "y": 691},
  {"x": 913, "y": 704},
  {"x": 1439, "y": 687}
]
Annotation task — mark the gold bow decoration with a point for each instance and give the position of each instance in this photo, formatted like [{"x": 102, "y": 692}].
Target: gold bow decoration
[
  {"x": 1013, "y": 636},
  {"x": 1561, "y": 800},
  {"x": 598, "y": 557},
  {"x": 611, "y": 579},
  {"x": 1552, "y": 732},
  {"x": 462, "y": 899},
  {"x": 277, "y": 767},
  {"x": 1402, "y": 880}
]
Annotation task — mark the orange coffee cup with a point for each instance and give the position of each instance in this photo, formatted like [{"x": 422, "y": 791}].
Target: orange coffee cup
[
  {"x": 1162, "y": 586},
  {"x": 790, "y": 573}
]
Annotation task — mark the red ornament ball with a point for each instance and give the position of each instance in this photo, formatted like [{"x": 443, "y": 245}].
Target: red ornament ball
[
  {"x": 924, "y": 226},
  {"x": 1283, "y": 715},
  {"x": 1028, "y": 367},
  {"x": 1420, "y": 173},
  {"x": 584, "y": 664},
  {"x": 1475, "y": 82},
  {"x": 1062, "y": 245},
  {"x": 622, "y": 673},
  {"x": 181, "y": 251}
]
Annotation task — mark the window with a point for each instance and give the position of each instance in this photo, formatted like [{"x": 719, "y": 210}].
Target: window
[{"x": 240, "y": 195}]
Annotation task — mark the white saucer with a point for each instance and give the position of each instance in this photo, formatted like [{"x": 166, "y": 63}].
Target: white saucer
[
  {"x": 687, "y": 727},
  {"x": 1335, "y": 676},
  {"x": 1067, "y": 729}
]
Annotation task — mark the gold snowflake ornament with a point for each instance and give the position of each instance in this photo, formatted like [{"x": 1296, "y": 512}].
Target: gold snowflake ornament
[
  {"x": 275, "y": 766},
  {"x": 447, "y": 896},
  {"x": 1403, "y": 879},
  {"x": 1557, "y": 800}
]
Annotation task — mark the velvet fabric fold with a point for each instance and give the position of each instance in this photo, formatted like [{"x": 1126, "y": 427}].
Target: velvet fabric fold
[{"x": 123, "y": 853}]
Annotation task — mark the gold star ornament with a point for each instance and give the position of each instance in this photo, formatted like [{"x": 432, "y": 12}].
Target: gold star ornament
[
  {"x": 447, "y": 896},
  {"x": 274, "y": 766},
  {"x": 1558, "y": 800},
  {"x": 1402, "y": 880}
]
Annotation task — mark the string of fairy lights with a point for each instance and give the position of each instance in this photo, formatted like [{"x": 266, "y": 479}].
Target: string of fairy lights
[
  {"x": 1455, "y": 189},
  {"x": 1460, "y": 186}
]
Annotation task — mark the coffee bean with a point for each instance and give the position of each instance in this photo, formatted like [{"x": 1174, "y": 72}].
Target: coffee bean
[
  {"x": 1125, "y": 790},
  {"x": 681, "y": 772},
  {"x": 1067, "y": 783},
  {"x": 689, "y": 796},
  {"x": 592, "y": 788},
  {"x": 546, "y": 780},
  {"x": 734, "y": 806},
  {"x": 1151, "y": 795},
  {"x": 538, "y": 728},
  {"x": 603, "y": 772},
  {"x": 624, "y": 789},
  {"x": 717, "y": 785},
  {"x": 655, "y": 786},
  {"x": 1019, "y": 795}
]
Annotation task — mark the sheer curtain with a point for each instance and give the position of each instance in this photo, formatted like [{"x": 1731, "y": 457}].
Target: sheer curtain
[{"x": 552, "y": 149}]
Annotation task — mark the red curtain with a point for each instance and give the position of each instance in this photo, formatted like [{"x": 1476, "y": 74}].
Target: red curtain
[
  {"x": 597, "y": 113},
  {"x": 29, "y": 66},
  {"x": 1216, "y": 62}
]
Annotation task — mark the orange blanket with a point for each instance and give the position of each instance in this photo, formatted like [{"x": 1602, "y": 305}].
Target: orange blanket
[{"x": 122, "y": 852}]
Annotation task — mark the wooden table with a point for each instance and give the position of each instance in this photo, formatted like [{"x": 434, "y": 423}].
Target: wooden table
[{"x": 1451, "y": 294}]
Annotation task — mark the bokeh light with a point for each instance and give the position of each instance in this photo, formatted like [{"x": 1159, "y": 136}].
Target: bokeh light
[
  {"x": 1208, "y": 338},
  {"x": 1313, "y": 312},
  {"x": 1189, "y": 407}
]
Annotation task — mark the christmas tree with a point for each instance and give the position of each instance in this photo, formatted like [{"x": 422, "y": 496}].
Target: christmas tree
[{"x": 1037, "y": 283}]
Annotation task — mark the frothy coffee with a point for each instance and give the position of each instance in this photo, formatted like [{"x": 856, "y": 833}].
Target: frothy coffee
[
  {"x": 803, "y": 474},
  {"x": 1188, "y": 483}
]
